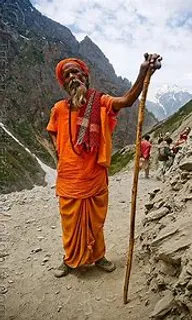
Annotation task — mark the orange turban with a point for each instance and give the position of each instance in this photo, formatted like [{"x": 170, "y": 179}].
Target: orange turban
[{"x": 62, "y": 63}]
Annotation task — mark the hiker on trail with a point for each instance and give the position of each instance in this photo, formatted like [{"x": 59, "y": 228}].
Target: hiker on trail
[
  {"x": 167, "y": 135},
  {"x": 165, "y": 157},
  {"x": 181, "y": 140},
  {"x": 163, "y": 137},
  {"x": 145, "y": 155},
  {"x": 160, "y": 138},
  {"x": 81, "y": 128}
]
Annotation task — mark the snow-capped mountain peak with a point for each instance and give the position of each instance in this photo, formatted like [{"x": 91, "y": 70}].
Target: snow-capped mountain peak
[
  {"x": 166, "y": 88},
  {"x": 168, "y": 100}
]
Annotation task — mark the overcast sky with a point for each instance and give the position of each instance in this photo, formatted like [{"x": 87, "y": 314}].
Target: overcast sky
[{"x": 124, "y": 30}]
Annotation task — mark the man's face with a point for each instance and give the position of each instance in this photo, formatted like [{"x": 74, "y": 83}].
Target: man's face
[
  {"x": 73, "y": 77},
  {"x": 75, "y": 83}
]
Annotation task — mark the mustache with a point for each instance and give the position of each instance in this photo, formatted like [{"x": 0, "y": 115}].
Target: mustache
[{"x": 74, "y": 83}]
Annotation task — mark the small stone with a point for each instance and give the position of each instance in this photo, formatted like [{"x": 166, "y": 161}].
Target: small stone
[
  {"x": 7, "y": 208},
  {"x": 50, "y": 268},
  {"x": 18, "y": 227},
  {"x": 57, "y": 292},
  {"x": 59, "y": 308},
  {"x": 146, "y": 302},
  {"x": 140, "y": 297},
  {"x": 30, "y": 221},
  {"x": 40, "y": 238},
  {"x": 36, "y": 250},
  {"x": 4, "y": 290},
  {"x": 97, "y": 298},
  {"x": 45, "y": 260},
  {"x": 3, "y": 255},
  {"x": 53, "y": 227},
  {"x": 177, "y": 186},
  {"x": 10, "y": 281},
  {"x": 6, "y": 214},
  {"x": 39, "y": 229},
  {"x": 149, "y": 206},
  {"x": 69, "y": 286}
]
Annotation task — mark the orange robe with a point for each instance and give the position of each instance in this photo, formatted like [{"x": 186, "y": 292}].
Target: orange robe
[{"x": 82, "y": 185}]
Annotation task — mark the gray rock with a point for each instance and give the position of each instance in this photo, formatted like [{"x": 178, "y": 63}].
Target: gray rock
[
  {"x": 157, "y": 214},
  {"x": 171, "y": 251},
  {"x": 163, "y": 306},
  {"x": 175, "y": 180},
  {"x": 177, "y": 187},
  {"x": 186, "y": 165},
  {"x": 149, "y": 206}
]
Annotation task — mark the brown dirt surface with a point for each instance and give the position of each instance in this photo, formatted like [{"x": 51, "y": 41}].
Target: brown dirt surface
[{"x": 33, "y": 239}]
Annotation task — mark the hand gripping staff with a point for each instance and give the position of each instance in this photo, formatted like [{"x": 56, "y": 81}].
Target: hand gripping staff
[{"x": 135, "y": 178}]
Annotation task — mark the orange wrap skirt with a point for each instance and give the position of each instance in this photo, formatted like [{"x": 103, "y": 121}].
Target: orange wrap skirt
[{"x": 82, "y": 225}]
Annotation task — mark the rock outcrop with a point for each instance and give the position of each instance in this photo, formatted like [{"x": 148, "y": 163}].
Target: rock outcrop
[{"x": 166, "y": 240}]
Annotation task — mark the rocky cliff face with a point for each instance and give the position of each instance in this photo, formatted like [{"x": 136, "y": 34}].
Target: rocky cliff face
[
  {"x": 166, "y": 240},
  {"x": 32, "y": 44}
]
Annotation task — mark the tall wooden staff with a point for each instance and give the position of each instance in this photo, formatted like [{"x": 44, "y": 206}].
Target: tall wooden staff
[{"x": 135, "y": 181}]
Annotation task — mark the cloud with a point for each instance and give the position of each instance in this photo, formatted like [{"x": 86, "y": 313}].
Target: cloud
[{"x": 125, "y": 29}]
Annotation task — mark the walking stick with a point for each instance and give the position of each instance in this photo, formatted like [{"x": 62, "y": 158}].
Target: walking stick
[{"x": 135, "y": 182}]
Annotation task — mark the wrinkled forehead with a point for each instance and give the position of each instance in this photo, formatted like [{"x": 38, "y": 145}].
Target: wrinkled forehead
[{"x": 71, "y": 65}]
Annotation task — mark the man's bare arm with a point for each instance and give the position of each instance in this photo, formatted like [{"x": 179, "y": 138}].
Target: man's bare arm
[{"x": 53, "y": 136}]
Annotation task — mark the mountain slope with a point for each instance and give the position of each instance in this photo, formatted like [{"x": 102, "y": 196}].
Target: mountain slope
[
  {"x": 174, "y": 125},
  {"x": 33, "y": 44}
]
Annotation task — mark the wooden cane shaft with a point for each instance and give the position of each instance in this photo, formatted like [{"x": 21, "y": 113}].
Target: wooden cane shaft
[{"x": 135, "y": 183}]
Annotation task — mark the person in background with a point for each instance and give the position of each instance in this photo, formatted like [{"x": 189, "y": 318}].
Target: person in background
[
  {"x": 145, "y": 155},
  {"x": 160, "y": 138},
  {"x": 165, "y": 157},
  {"x": 181, "y": 140},
  {"x": 167, "y": 135},
  {"x": 81, "y": 129}
]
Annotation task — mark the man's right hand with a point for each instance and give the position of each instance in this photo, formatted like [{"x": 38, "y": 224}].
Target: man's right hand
[{"x": 152, "y": 61}]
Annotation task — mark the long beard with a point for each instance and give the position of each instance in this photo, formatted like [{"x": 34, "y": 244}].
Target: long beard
[
  {"x": 78, "y": 92},
  {"x": 78, "y": 96}
]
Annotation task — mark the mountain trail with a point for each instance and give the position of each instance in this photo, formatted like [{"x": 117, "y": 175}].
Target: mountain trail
[{"x": 31, "y": 226}]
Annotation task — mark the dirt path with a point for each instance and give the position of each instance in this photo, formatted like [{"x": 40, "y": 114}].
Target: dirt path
[{"x": 35, "y": 249}]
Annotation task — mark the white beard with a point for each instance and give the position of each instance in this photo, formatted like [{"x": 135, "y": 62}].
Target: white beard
[{"x": 78, "y": 95}]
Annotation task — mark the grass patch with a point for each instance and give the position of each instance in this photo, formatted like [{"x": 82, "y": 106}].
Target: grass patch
[
  {"x": 173, "y": 122},
  {"x": 120, "y": 160},
  {"x": 26, "y": 134},
  {"x": 18, "y": 169}
]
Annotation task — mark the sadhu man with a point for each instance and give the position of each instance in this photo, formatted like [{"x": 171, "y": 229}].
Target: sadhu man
[{"x": 81, "y": 128}]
